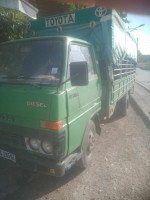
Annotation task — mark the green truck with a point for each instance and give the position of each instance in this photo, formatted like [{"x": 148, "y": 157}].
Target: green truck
[{"x": 70, "y": 72}]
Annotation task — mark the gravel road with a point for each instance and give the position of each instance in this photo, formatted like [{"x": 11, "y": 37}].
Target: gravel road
[{"x": 120, "y": 169}]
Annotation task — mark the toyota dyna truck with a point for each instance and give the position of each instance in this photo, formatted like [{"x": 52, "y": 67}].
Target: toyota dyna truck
[{"x": 70, "y": 72}]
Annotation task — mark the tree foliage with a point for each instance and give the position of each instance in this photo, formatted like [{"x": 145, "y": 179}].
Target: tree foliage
[
  {"x": 13, "y": 24},
  {"x": 143, "y": 58},
  {"x": 73, "y": 7}
]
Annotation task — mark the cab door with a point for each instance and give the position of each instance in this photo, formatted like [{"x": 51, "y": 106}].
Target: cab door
[{"x": 82, "y": 101}]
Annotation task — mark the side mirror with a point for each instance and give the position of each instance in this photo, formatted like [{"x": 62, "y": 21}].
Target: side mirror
[{"x": 79, "y": 73}]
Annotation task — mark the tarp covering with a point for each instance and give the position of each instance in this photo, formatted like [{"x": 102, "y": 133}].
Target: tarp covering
[
  {"x": 99, "y": 26},
  {"x": 20, "y": 5},
  {"x": 136, "y": 6}
]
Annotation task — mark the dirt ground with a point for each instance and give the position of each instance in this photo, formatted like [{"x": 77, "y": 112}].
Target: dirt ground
[{"x": 120, "y": 169}]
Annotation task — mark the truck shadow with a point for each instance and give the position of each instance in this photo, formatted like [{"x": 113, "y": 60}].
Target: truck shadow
[
  {"x": 139, "y": 112},
  {"x": 113, "y": 118},
  {"x": 116, "y": 116},
  {"x": 39, "y": 185}
]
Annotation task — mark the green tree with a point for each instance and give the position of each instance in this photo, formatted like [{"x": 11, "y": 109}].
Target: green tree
[
  {"x": 74, "y": 7},
  {"x": 13, "y": 24},
  {"x": 139, "y": 56}
]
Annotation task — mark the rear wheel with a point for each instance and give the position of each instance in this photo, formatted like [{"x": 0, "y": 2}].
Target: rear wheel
[
  {"x": 122, "y": 106},
  {"x": 87, "y": 145}
]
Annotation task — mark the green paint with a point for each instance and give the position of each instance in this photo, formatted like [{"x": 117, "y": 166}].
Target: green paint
[{"x": 26, "y": 104}]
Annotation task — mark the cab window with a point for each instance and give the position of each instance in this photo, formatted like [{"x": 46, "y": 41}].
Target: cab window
[{"x": 80, "y": 53}]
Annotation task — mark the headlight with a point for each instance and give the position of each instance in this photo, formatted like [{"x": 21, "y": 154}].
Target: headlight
[
  {"x": 47, "y": 147},
  {"x": 34, "y": 143},
  {"x": 41, "y": 146}
]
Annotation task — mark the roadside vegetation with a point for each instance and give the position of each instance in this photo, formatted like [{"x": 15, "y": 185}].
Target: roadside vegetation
[
  {"x": 13, "y": 24},
  {"x": 143, "y": 61},
  {"x": 144, "y": 66}
]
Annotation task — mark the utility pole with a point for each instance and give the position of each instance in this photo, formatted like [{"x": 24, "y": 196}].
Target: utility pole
[
  {"x": 137, "y": 45},
  {"x": 137, "y": 41}
]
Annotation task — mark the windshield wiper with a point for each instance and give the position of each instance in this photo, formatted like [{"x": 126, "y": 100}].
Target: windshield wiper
[
  {"x": 16, "y": 77},
  {"x": 24, "y": 80}
]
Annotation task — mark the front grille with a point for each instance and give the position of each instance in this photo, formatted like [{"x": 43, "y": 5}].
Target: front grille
[{"x": 12, "y": 138}]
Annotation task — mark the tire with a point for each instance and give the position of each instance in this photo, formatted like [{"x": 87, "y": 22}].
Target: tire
[
  {"x": 123, "y": 106},
  {"x": 87, "y": 145}
]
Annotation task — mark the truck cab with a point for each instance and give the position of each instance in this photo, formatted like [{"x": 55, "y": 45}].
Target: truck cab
[{"x": 50, "y": 92}]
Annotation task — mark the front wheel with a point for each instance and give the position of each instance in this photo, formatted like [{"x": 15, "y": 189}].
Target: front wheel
[{"x": 87, "y": 145}]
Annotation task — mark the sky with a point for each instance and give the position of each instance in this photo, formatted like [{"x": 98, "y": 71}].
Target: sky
[{"x": 142, "y": 33}]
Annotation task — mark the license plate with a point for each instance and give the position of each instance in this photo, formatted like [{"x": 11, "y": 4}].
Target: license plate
[{"x": 8, "y": 155}]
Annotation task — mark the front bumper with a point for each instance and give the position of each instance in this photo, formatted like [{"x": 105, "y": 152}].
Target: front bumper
[
  {"x": 12, "y": 141},
  {"x": 43, "y": 164}
]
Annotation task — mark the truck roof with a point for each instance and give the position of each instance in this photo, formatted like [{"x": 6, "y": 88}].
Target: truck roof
[{"x": 67, "y": 38}]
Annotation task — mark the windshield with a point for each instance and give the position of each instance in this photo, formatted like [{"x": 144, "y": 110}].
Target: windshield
[{"x": 38, "y": 62}]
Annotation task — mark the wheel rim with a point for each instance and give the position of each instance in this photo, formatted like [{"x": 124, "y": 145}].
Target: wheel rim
[{"x": 91, "y": 141}]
